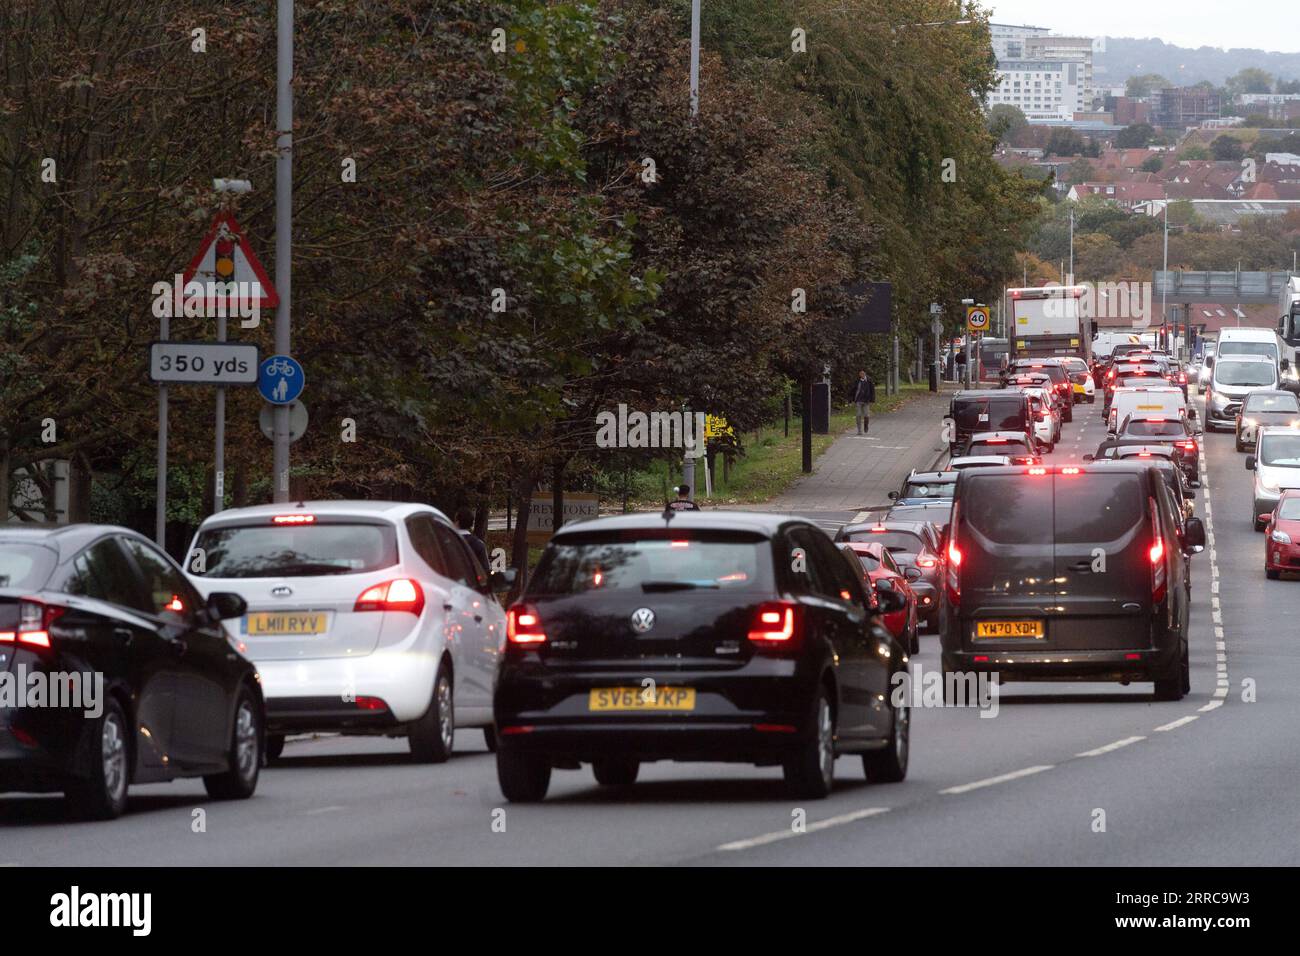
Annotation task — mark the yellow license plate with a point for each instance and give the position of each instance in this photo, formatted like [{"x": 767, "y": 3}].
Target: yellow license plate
[
  {"x": 285, "y": 623},
  {"x": 1009, "y": 629},
  {"x": 640, "y": 698}
]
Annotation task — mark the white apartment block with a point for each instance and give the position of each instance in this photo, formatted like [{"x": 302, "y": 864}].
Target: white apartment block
[
  {"x": 1042, "y": 89},
  {"x": 1009, "y": 41}
]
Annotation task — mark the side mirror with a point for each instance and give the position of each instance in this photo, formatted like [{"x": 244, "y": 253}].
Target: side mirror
[
  {"x": 1250, "y": 462},
  {"x": 1209, "y": 362},
  {"x": 913, "y": 574},
  {"x": 890, "y": 600},
  {"x": 502, "y": 581},
  {"x": 893, "y": 496},
  {"x": 1266, "y": 519},
  {"x": 1089, "y": 458},
  {"x": 223, "y": 605},
  {"x": 1194, "y": 535},
  {"x": 1286, "y": 364}
]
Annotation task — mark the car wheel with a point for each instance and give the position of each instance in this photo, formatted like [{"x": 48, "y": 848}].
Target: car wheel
[
  {"x": 274, "y": 746},
  {"x": 102, "y": 794},
  {"x": 890, "y": 764},
  {"x": 914, "y": 642},
  {"x": 524, "y": 778},
  {"x": 1092, "y": 399},
  {"x": 1178, "y": 684},
  {"x": 244, "y": 761},
  {"x": 616, "y": 772},
  {"x": 1271, "y": 574},
  {"x": 432, "y": 736},
  {"x": 811, "y": 771},
  {"x": 490, "y": 738}
]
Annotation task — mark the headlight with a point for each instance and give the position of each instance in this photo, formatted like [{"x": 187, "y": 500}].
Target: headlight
[
  {"x": 1281, "y": 537},
  {"x": 1249, "y": 422}
]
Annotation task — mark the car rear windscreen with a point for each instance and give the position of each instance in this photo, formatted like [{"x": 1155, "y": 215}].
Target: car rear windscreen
[
  {"x": 991, "y": 414},
  {"x": 286, "y": 551},
  {"x": 929, "y": 489},
  {"x": 25, "y": 565},
  {"x": 1266, "y": 349},
  {"x": 654, "y": 564},
  {"x": 1150, "y": 428},
  {"x": 1272, "y": 403},
  {"x": 999, "y": 448},
  {"x": 898, "y": 542}
]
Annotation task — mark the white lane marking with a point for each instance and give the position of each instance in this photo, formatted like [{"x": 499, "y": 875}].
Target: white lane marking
[
  {"x": 1175, "y": 724},
  {"x": 811, "y": 828},
  {"x": 860, "y": 517},
  {"x": 1211, "y": 706},
  {"x": 1217, "y": 616},
  {"x": 1109, "y": 747},
  {"x": 993, "y": 781},
  {"x": 323, "y": 810},
  {"x": 1214, "y": 585}
]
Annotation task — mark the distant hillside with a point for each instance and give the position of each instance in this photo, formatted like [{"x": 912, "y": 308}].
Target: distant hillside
[{"x": 1125, "y": 57}]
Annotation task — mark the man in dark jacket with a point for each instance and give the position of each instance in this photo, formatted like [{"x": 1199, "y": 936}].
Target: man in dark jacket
[
  {"x": 465, "y": 525},
  {"x": 864, "y": 393}
]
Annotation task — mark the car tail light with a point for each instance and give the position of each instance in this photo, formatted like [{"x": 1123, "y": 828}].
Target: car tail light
[
  {"x": 995, "y": 441},
  {"x": 927, "y": 562},
  {"x": 775, "y": 624},
  {"x": 953, "y": 578},
  {"x": 1187, "y": 445},
  {"x": 524, "y": 625},
  {"x": 294, "y": 519},
  {"x": 370, "y": 703},
  {"x": 34, "y": 620},
  {"x": 1156, "y": 553},
  {"x": 1070, "y": 471},
  {"x": 1036, "y": 471},
  {"x": 401, "y": 594}
]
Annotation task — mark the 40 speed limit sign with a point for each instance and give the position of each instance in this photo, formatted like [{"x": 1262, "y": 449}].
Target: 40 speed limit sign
[
  {"x": 204, "y": 363},
  {"x": 977, "y": 318}
]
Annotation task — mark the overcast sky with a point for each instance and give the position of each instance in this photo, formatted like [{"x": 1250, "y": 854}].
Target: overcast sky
[{"x": 1259, "y": 24}]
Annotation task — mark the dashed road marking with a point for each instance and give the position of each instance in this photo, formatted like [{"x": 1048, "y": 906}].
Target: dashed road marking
[
  {"x": 810, "y": 828},
  {"x": 993, "y": 781},
  {"x": 1175, "y": 724},
  {"x": 1110, "y": 747}
]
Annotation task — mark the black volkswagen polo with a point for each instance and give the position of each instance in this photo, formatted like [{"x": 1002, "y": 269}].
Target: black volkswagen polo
[
  {"x": 692, "y": 636},
  {"x": 138, "y": 681}
]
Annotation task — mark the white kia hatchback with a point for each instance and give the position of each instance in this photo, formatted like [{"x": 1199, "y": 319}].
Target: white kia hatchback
[{"x": 363, "y": 618}]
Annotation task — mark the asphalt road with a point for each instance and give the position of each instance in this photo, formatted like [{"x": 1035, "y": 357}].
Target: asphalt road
[{"x": 1209, "y": 780}]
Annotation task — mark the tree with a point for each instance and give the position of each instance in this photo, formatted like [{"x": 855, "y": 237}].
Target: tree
[
  {"x": 1137, "y": 136},
  {"x": 1065, "y": 142},
  {"x": 1144, "y": 85},
  {"x": 1289, "y": 87},
  {"x": 1152, "y": 164},
  {"x": 1251, "y": 80},
  {"x": 1005, "y": 120},
  {"x": 1194, "y": 152},
  {"x": 1080, "y": 171},
  {"x": 1227, "y": 149}
]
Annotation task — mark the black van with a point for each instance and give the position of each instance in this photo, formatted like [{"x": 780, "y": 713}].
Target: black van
[
  {"x": 988, "y": 410},
  {"x": 1075, "y": 572}
]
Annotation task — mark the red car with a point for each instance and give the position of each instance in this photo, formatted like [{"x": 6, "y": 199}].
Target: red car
[
  {"x": 882, "y": 573},
  {"x": 1282, "y": 535}
]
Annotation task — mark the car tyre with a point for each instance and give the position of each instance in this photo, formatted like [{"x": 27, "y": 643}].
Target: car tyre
[
  {"x": 810, "y": 772},
  {"x": 432, "y": 736},
  {"x": 1178, "y": 684},
  {"x": 490, "y": 738},
  {"x": 274, "y": 747},
  {"x": 524, "y": 778},
  {"x": 1271, "y": 574},
  {"x": 890, "y": 764},
  {"x": 244, "y": 761},
  {"x": 616, "y": 772},
  {"x": 101, "y": 795}
]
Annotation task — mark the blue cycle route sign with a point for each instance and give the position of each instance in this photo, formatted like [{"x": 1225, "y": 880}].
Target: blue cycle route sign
[{"x": 280, "y": 379}]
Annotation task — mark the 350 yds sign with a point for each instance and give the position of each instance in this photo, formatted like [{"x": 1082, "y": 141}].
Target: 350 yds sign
[{"x": 211, "y": 363}]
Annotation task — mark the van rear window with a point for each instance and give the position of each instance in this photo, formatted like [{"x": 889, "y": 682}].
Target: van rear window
[
  {"x": 1095, "y": 508},
  {"x": 991, "y": 414},
  {"x": 1009, "y": 509}
]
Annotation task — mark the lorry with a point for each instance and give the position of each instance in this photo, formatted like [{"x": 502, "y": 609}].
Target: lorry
[
  {"x": 1288, "y": 323},
  {"x": 1049, "y": 321}
]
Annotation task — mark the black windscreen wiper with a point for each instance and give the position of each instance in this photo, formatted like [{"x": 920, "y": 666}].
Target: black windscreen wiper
[{"x": 649, "y": 586}]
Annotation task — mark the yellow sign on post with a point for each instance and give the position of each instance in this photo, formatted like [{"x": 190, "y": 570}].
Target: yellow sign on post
[{"x": 977, "y": 318}]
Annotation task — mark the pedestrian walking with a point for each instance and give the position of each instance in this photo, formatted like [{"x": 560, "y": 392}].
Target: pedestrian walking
[
  {"x": 683, "y": 502},
  {"x": 864, "y": 393}
]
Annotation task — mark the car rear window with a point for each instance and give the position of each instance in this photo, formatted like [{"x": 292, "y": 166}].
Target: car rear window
[
  {"x": 25, "y": 565},
  {"x": 998, "y": 448},
  {"x": 990, "y": 414},
  {"x": 1150, "y": 428},
  {"x": 1098, "y": 507},
  {"x": 1009, "y": 509},
  {"x": 898, "y": 542},
  {"x": 929, "y": 489},
  {"x": 289, "y": 551},
  {"x": 654, "y": 564}
]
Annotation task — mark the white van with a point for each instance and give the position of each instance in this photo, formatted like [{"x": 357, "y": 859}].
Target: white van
[
  {"x": 1162, "y": 401},
  {"x": 1251, "y": 342},
  {"x": 1233, "y": 377}
]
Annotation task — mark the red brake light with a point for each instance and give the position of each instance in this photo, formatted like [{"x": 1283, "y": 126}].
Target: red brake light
[
  {"x": 1069, "y": 471},
  {"x": 774, "y": 624},
  {"x": 995, "y": 441},
  {"x": 1158, "y": 551},
  {"x": 954, "y": 554},
  {"x": 679, "y": 544},
  {"x": 401, "y": 594},
  {"x": 294, "y": 519},
  {"x": 927, "y": 562},
  {"x": 1157, "y": 555},
  {"x": 524, "y": 625},
  {"x": 175, "y": 604},
  {"x": 953, "y": 579},
  {"x": 1189, "y": 445},
  {"x": 34, "y": 620},
  {"x": 370, "y": 703},
  {"x": 1037, "y": 471}
]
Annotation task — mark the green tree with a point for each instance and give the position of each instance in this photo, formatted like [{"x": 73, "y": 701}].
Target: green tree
[
  {"x": 1152, "y": 164},
  {"x": 1144, "y": 85},
  {"x": 1005, "y": 120},
  {"x": 1137, "y": 136},
  {"x": 1227, "y": 148},
  {"x": 1251, "y": 80}
]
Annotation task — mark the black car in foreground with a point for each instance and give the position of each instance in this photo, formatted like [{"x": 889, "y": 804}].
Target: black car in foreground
[
  {"x": 1070, "y": 573},
  {"x": 696, "y": 636},
  {"x": 141, "y": 683}
]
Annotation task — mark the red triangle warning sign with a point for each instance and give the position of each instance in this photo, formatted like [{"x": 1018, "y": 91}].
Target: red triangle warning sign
[{"x": 227, "y": 257}]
